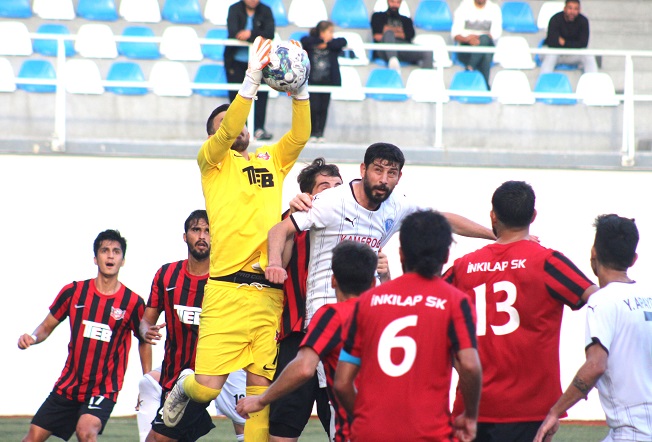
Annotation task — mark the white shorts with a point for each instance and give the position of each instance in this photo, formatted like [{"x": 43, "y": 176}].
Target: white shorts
[
  {"x": 149, "y": 400},
  {"x": 233, "y": 390}
]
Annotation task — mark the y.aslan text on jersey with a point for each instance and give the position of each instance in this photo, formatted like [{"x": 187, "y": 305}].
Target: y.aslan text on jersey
[
  {"x": 500, "y": 266},
  {"x": 407, "y": 301}
]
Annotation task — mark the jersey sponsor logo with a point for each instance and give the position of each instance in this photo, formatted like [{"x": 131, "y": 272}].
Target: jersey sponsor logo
[
  {"x": 97, "y": 331},
  {"x": 648, "y": 316},
  {"x": 79, "y": 306},
  {"x": 263, "y": 156},
  {"x": 188, "y": 315},
  {"x": 117, "y": 313},
  {"x": 259, "y": 176},
  {"x": 352, "y": 221},
  {"x": 501, "y": 266},
  {"x": 374, "y": 243},
  {"x": 408, "y": 301},
  {"x": 389, "y": 223},
  {"x": 638, "y": 303}
]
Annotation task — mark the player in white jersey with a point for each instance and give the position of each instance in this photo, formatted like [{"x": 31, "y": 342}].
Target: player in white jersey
[
  {"x": 618, "y": 340},
  {"x": 365, "y": 210}
]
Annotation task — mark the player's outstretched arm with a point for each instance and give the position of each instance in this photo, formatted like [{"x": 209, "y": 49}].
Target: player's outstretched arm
[
  {"x": 343, "y": 384},
  {"x": 469, "y": 369},
  {"x": 276, "y": 240},
  {"x": 465, "y": 227},
  {"x": 585, "y": 379},
  {"x": 40, "y": 334}
]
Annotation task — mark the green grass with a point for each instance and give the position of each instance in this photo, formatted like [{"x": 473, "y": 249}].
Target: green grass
[{"x": 124, "y": 429}]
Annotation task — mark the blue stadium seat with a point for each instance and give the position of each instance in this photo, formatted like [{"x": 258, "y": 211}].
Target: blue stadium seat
[
  {"x": 126, "y": 71},
  {"x": 49, "y": 47},
  {"x": 350, "y": 14},
  {"x": 211, "y": 74},
  {"x": 471, "y": 81},
  {"x": 518, "y": 17},
  {"x": 557, "y": 83},
  {"x": 280, "y": 15},
  {"x": 433, "y": 15},
  {"x": 215, "y": 52},
  {"x": 298, "y": 35},
  {"x": 99, "y": 10},
  {"x": 139, "y": 50},
  {"x": 182, "y": 12},
  {"x": 386, "y": 78},
  {"x": 37, "y": 70},
  {"x": 15, "y": 9}
]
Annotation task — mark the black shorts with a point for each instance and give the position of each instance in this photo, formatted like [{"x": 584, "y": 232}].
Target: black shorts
[
  {"x": 507, "y": 432},
  {"x": 195, "y": 423},
  {"x": 289, "y": 415},
  {"x": 60, "y": 415}
]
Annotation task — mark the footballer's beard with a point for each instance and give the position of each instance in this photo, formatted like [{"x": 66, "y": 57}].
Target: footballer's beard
[
  {"x": 369, "y": 191},
  {"x": 240, "y": 144},
  {"x": 198, "y": 254}
]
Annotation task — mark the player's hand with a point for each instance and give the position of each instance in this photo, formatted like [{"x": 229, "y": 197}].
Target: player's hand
[
  {"x": 383, "y": 266},
  {"x": 302, "y": 92},
  {"x": 275, "y": 274},
  {"x": 547, "y": 429},
  {"x": 243, "y": 35},
  {"x": 257, "y": 61},
  {"x": 153, "y": 334},
  {"x": 301, "y": 203},
  {"x": 465, "y": 428},
  {"x": 25, "y": 341},
  {"x": 248, "y": 404},
  {"x": 534, "y": 238}
]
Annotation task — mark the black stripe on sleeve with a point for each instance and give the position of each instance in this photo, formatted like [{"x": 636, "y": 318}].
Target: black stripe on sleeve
[{"x": 349, "y": 339}]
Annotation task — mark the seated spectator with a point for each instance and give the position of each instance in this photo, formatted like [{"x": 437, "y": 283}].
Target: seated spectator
[
  {"x": 477, "y": 23},
  {"x": 392, "y": 27},
  {"x": 568, "y": 29}
]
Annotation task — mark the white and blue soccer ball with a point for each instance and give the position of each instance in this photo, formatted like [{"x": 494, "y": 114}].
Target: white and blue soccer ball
[{"x": 288, "y": 68}]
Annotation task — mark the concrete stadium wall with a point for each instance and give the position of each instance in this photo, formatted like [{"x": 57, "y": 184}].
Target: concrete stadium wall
[{"x": 54, "y": 206}]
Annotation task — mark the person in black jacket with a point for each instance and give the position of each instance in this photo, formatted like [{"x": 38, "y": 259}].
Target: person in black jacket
[
  {"x": 248, "y": 19},
  {"x": 323, "y": 51}
]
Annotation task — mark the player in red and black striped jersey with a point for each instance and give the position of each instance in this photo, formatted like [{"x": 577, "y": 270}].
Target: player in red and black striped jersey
[
  {"x": 519, "y": 289},
  {"x": 354, "y": 268},
  {"x": 102, "y": 313}
]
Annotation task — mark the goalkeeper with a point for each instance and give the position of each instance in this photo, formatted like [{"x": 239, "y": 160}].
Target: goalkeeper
[{"x": 241, "y": 309}]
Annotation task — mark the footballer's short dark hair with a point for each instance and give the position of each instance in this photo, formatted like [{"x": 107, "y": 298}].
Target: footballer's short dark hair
[
  {"x": 513, "y": 203},
  {"x": 425, "y": 237},
  {"x": 109, "y": 235},
  {"x": 308, "y": 175},
  {"x": 615, "y": 242},
  {"x": 354, "y": 267}
]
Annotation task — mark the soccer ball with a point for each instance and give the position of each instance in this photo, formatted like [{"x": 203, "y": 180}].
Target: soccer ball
[{"x": 288, "y": 67}]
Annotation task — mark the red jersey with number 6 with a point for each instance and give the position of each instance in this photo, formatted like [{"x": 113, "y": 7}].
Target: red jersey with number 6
[
  {"x": 519, "y": 290},
  {"x": 404, "y": 333}
]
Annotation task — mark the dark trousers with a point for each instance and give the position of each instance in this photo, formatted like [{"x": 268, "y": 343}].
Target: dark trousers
[
  {"x": 319, "y": 102},
  {"x": 235, "y": 73},
  {"x": 479, "y": 61},
  {"x": 423, "y": 59}
]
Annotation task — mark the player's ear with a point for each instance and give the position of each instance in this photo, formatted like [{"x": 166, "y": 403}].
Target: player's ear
[
  {"x": 184, "y": 238},
  {"x": 363, "y": 168},
  {"x": 634, "y": 260},
  {"x": 334, "y": 282},
  {"x": 95, "y": 259},
  {"x": 493, "y": 217},
  {"x": 534, "y": 216}
]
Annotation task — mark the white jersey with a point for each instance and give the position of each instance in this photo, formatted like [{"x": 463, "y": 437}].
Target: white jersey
[
  {"x": 336, "y": 216},
  {"x": 619, "y": 316}
]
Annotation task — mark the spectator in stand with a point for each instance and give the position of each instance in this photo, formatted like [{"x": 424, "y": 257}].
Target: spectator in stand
[
  {"x": 568, "y": 29},
  {"x": 477, "y": 23}
]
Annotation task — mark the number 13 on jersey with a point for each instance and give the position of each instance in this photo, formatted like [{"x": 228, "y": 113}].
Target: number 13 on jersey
[{"x": 506, "y": 306}]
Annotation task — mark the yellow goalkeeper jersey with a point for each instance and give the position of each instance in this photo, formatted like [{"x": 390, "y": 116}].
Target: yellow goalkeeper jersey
[{"x": 243, "y": 194}]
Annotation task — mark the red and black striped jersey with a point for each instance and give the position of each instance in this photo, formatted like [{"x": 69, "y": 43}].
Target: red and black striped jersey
[
  {"x": 294, "y": 288},
  {"x": 99, "y": 339},
  {"x": 519, "y": 291},
  {"x": 179, "y": 294}
]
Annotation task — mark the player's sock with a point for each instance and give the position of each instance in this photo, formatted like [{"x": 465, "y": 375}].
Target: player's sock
[
  {"x": 239, "y": 437},
  {"x": 257, "y": 426},
  {"x": 198, "y": 392}
]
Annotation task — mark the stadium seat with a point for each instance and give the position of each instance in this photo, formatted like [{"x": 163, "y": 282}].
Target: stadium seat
[
  {"x": 15, "y": 9},
  {"x": 471, "y": 81},
  {"x": 95, "y": 40},
  {"x": 426, "y": 86},
  {"x": 136, "y": 49},
  {"x": 182, "y": 12},
  {"x": 513, "y": 52},
  {"x": 215, "y": 52},
  {"x": 98, "y": 10},
  {"x": 298, "y": 35},
  {"x": 518, "y": 17},
  {"x": 181, "y": 43},
  {"x": 54, "y": 9},
  {"x": 37, "y": 70},
  {"x": 126, "y": 71},
  {"x": 356, "y": 54},
  {"x": 216, "y": 11},
  {"x": 83, "y": 77},
  {"x": 307, "y": 13},
  {"x": 170, "y": 79},
  {"x": 280, "y": 15},
  {"x": 440, "y": 53},
  {"x": 512, "y": 87},
  {"x": 351, "y": 89},
  {"x": 597, "y": 89},
  {"x": 350, "y": 14},
  {"x": 548, "y": 9},
  {"x": 433, "y": 15},
  {"x": 140, "y": 11},
  {"x": 210, "y": 74},
  {"x": 14, "y": 38},
  {"x": 49, "y": 47},
  {"x": 554, "y": 83},
  {"x": 381, "y": 6},
  {"x": 385, "y": 78},
  {"x": 7, "y": 78}
]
